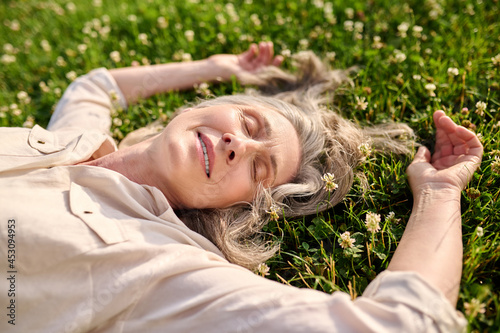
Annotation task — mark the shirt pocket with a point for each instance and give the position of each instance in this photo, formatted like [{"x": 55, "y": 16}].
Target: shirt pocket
[
  {"x": 85, "y": 206},
  {"x": 44, "y": 141}
]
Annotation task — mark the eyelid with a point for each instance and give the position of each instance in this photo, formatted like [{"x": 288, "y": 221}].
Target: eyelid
[{"x": 244, "y": 122}]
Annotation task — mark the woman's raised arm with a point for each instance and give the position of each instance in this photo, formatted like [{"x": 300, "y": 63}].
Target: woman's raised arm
[
  {"x": 142, "y": 82},
  {"x": 432, "y": 243}
]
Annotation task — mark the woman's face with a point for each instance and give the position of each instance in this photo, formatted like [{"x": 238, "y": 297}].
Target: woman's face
[{"x": 216, "y": 156}]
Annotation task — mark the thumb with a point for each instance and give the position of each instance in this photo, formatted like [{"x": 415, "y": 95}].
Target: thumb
[{"x": 423, "y": 155}]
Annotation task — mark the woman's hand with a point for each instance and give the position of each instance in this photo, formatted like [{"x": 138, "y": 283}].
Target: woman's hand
[
  {"x": 457, "y": 155},
  {"x": 246, "y": 64}
]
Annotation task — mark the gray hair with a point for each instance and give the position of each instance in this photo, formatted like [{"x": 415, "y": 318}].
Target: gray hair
[{"x": 329, "y": 144}]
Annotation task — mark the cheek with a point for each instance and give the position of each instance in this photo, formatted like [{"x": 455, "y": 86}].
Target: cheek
[{"x": 235, "y": 186}]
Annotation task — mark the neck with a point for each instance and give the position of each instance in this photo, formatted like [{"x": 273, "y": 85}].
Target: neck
[
  {"x": 133, "y": 162},
  {"x": 139, "y": 165}
]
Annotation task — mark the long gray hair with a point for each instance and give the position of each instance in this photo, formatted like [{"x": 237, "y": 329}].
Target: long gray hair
[{"x": 329, "y": 144}]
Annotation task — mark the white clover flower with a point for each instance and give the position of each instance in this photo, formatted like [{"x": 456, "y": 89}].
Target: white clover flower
[
  {"x": 189, "y": 34},
  {"x": 82, "y": 48},
  {"x": 262, "y": 269},
  {"x": 318, "y": 3},
  {"x": 479, "y": 232},
  {"x": 22, "y": 95},
  {"x": 57, "y": 91},
  {"x": 496, "y": 60},
  {"x": 495, "y": 165},
  {"x": 104, "y": 31},
  {"x": 203, "y": 89},
  {"x": 8, "y": 48},
  {"x": 430, "y": 87},
  {"x": 372, "y": 222},
  {"x": 417, "y": 77},
  {"x": 480, "y": 107},
  {"x": 96, "y": 23},
  {"x": 44, "y": 87},
  {"x": 221, "y": 38},
  {"x": 186, "y": 57},
  {"x": 328, "y": 8},
  {"x": 403, "y": 29},
  {"x": 14, "y": 25},
  {"x": 115, "y": 56},
  {"x": 221, "y": 19},
  {"x": 365, "y": 148},
  {"x": 162, "y": 22},
  {"x": 331, "y": 56},
  {"x": 474, "y": 308},
  {"x": 61, "y": 62},
  {"x": 399, "y": 56},
  {"x": 132, "y": 18},
  {"x": 97, "y": 3},
  {"x": 45, "y": 45},
  {"x": 304, "y": 43},
  {"x": 255, "y": 19},
  {"x": 377, "y": 43},
  {"x": 349, "y": 12},
  {"x": 329, "y": 179},
  {"x": 358, "y": 26},
  {"x": 30, "y": 122},
  {"x": 273, "y": 212},
  {"x": 27, "y": 44},
  {"x": 417, "y": 31},
  {"x": 16, "y": 112},
  {"x": 71, "y": 76},
  {"x": 345, "y": 240},
  {"x": 143, "y": 38},
  {"x": 391, "y": 218},
  {"x": 279, "y": 19},
  {"x": 348, "y": 25},
  {"x": 452, "y": 71},
  {"x": 117, "y": 122},
  {"x": 361, "y": 103}
]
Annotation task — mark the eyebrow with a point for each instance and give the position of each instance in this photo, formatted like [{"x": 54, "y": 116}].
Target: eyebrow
[{"x": 269, "y": 132}]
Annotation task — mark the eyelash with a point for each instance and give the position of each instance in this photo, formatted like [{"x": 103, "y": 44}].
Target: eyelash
[{"x": 246, "y": 126}]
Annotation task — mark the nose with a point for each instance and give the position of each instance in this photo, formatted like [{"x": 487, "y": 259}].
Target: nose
[{"x": 237, "y": 147}]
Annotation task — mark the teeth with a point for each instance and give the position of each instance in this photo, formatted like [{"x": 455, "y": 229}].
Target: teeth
[{"x": 207, "y": 168}]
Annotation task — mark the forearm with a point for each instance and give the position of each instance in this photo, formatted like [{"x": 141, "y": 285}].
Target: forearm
[
  {"x": 432, "y": 244},
  {"x": 144, "y": 81}
]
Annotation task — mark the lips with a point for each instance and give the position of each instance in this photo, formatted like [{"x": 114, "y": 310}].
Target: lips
[{"x": 206, "y": 154}]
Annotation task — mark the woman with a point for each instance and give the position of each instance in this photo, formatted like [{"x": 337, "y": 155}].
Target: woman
[{"x": 112, "y": 255}]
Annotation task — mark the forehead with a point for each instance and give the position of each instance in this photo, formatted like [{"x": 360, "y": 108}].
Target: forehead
[{"x": 284, "y": 143}]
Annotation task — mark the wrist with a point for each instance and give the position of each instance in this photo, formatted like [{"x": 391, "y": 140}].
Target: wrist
[
  {"x": 218, "y": 66},
  {"x": 436, "y": 191}
]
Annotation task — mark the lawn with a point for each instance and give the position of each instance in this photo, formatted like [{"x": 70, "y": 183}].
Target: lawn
[{"x": 413, "y": 56}]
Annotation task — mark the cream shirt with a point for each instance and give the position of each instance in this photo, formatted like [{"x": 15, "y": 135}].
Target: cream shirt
[{"x": 84, "y": 249}]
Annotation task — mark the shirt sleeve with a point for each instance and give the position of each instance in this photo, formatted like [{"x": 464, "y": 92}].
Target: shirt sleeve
[
  {"x": 228, "y": 299},
  {"x": 87, "y": 103}
]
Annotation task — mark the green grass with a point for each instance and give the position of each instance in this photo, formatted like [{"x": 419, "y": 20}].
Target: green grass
[{"x": 454, "y": 34}]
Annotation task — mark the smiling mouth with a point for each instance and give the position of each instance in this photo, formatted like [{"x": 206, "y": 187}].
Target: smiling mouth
[{"x": 205, "y": 155}]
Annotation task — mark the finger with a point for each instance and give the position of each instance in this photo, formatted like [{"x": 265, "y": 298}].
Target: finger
[
  {"x": 458, "y": 135},
  {"x": 445, "y": 138},
  {"x": 270, "y": 46},
  {"x": 249, "y": 54},
  {"x": 437, "y": 115},
  {"x": 264, "y": 56},
  {"x": 278, "y": 60},
  {"x": 467, "y": 136}
]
